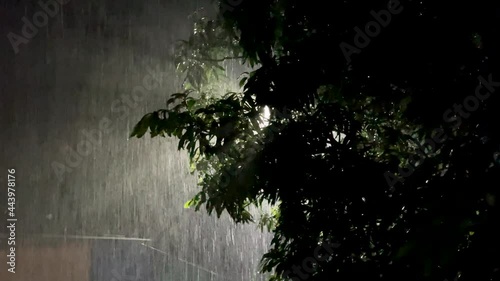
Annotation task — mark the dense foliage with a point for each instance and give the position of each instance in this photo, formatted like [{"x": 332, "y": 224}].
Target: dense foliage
[{"x": 385, "y": 144}]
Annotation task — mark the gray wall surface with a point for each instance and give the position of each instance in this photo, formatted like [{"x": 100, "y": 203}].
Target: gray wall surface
[{"x": 69, "y": 98}]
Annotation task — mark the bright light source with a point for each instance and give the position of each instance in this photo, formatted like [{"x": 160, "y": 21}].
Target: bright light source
[
  {"x": 339, "y": 137},
  {"x": 265, "y": 117}
]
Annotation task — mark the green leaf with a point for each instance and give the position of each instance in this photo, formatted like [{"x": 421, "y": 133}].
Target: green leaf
[
  {"x": 154, "y": 125},
  {"x": 405, "y": 250},
  {"x": 142, "y": 126},
  {"x": 190, "y": 103}
]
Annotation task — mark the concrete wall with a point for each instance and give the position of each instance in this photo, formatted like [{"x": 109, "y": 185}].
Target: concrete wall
[{"x": 76, "y": 74}]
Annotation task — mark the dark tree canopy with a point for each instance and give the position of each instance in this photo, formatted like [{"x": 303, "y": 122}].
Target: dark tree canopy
[{"x": 387, "y": 145}]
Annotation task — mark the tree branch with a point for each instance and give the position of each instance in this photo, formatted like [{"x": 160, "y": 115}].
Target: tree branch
[{"x": 222, "y": 59}]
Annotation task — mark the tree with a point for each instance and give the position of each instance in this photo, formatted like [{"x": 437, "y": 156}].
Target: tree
[{"x": 382, "y": 136}]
